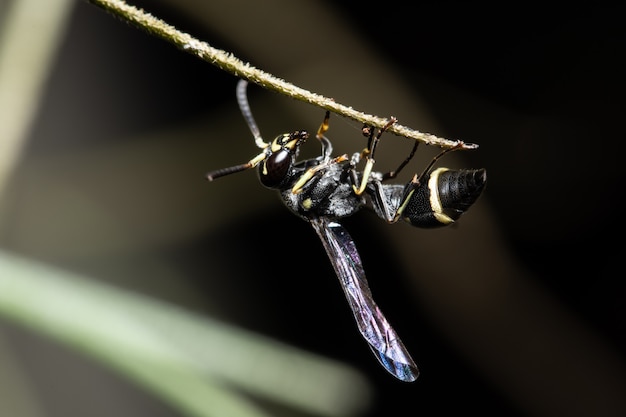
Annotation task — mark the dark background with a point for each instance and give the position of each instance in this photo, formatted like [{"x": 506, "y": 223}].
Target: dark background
[{"x": 518, "y": 311}]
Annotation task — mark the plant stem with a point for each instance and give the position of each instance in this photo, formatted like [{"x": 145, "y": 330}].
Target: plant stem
[{"x": 228, "y": 62}]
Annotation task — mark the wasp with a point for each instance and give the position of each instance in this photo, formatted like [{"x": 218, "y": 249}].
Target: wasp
[{"x": 324, "y": 189}]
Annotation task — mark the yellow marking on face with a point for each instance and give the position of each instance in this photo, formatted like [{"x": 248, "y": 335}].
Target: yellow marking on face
[
  {"x": 277, "y": 144},
  {"x": 435, "y": 201},
  {"x": 283, "y": 141},
  {"x": 291, "y": 144},
  {"x": 306, "y": 203}
]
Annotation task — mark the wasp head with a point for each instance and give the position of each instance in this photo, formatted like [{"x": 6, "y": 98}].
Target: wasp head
[{"x": 276, "y": 169}]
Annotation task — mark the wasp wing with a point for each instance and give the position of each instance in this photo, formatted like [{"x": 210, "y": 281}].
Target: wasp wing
[{"x": 374, "y": 327}]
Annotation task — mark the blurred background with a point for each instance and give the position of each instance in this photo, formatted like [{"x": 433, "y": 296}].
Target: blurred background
[{"x": 516, "y": 310}]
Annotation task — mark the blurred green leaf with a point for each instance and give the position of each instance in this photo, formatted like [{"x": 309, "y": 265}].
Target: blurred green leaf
[{"x": 193, "y": 361}]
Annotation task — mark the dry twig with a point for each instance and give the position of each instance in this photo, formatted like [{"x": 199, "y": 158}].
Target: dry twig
[{"x": 228, "y": 62}]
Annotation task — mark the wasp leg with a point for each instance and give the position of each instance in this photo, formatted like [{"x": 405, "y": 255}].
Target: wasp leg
[
  {"x": 409, "y": 189},
  {"x": 369, "y": 157},
  {"x": 327, "y": 146},
  {"x": 393, "y": 174},
  {"x": 310, "y": 173},
  {"x": 426, "y": 171},
  {"x": 386, "y": 200},
  {"x": 418, "y": 181}
]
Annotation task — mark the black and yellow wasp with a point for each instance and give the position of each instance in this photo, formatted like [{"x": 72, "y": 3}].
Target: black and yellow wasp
[{"x": 325, "y": 189}]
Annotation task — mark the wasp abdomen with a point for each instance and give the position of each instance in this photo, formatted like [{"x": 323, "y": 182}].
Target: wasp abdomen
[
  {"x": 458, "y": 190},
  {"x": 444, "y": 197}
]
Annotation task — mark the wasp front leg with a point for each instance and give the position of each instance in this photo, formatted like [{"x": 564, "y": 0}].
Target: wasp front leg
[{"x": 311, "y": 172}]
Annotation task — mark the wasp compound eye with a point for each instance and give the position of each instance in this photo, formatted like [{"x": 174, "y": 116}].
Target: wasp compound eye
[{"x": 275, "y": 169}]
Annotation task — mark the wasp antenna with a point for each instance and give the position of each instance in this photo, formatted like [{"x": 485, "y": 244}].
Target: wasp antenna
[
  {"x": 213, "y": 175},
  {"x": 244, "y": 106}
]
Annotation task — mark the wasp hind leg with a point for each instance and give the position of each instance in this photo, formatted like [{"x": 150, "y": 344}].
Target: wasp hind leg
[
  {"x": 438, "y": 197},
  {"x": 387, "y": 199}
]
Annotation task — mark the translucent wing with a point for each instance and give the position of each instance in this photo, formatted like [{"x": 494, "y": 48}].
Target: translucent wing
[{"x": 374, "y": 327}]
